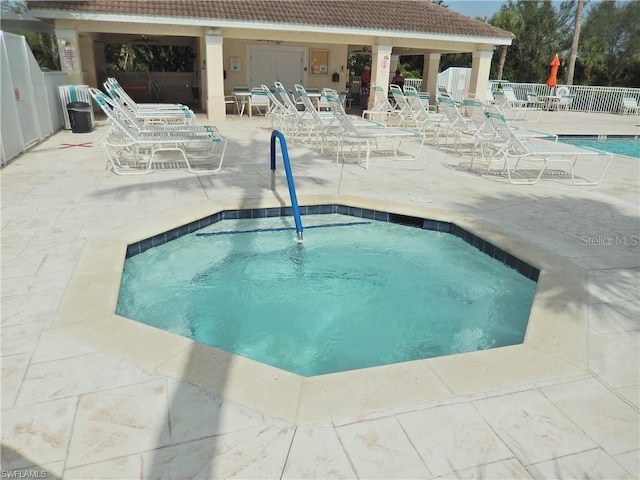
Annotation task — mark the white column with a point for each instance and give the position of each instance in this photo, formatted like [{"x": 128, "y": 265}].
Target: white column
[
  {"x": 395, "y": 61},
  {"x": 69, "y": 52},
  {"x": 89, "y": 68},
  {"x": 213, "y": 78},
  {"x": 380, "y": 68},
  {"x": 480, "y": 69},
  {"x": 430, "y": 72}
]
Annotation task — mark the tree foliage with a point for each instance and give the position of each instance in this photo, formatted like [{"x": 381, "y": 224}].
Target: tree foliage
[
  {"x": 149, "y": 58},
  {"x": 608, "y": 52},
  {"x": 541, "y": 31}
]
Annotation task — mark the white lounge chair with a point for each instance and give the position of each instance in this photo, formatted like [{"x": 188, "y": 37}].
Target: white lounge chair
[
  {"x": 313, "y": 125},
  {"x": 285, "y": 99},
  {"x": 525, "y": 163},
  {"x": 277, "y": 112},
  {"x": 489, "y": 140},
  {"x": 372, "y": 136},
  {"x": 406, "y": 115},
  {"x": 457, "y": 125},
  {"x": 427, "y": 121},
  {"x": 319, "y": 125},
  {"x": 519, "y": 109},
  {"x": 152, "y": 113},
  {"x": 133, "y": 151},
  {"x": 382, "y": 109}
]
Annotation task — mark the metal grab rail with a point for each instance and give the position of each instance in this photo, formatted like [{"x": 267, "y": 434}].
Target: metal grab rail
[{"x": 287, "y": 167}]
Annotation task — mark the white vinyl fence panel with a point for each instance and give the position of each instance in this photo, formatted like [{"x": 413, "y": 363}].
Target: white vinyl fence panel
[{"x": 28, "y": 96}]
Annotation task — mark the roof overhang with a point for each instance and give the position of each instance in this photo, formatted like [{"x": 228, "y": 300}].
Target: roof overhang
[
  {"x": 265, "y": 26},
  {"x": 23, "y": 22}
]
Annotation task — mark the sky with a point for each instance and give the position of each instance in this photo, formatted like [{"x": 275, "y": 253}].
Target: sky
[
  {"x": 475, "y": 8},
  {"x": 486, "y": 8}
]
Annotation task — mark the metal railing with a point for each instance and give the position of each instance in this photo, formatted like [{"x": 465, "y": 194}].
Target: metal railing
[
  {"x": 586, "y": 98},
  {"x": 287, "y": 167}
]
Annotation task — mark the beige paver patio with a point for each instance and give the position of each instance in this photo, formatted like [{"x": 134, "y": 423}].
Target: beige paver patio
[{"x": 80, "y": 405}]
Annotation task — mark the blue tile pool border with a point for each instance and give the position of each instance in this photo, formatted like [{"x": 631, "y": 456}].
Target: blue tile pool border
[{"x": 524, "y": 268}]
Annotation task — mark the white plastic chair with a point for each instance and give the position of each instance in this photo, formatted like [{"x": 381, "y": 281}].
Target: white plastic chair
[
  {"x": 630, "y": 106},
  {"x": 258, "y": 101},
  {"x": 565, "y": 102}
]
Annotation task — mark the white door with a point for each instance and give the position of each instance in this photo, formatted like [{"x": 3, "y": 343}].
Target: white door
[{"x": 276, "y": 64}]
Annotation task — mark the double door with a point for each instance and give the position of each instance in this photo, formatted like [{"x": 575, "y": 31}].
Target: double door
[{"x": 270, "y": 64}]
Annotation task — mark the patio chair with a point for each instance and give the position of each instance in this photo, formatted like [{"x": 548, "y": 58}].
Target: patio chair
[
  {"x": 314, "y": 125},
  {"x": 134, "y": 152},
  {"x": 382, "y": 109},
  {"x": 630, "y": 106},
  {"x": 405, "y": 114},
  {"x": 285, "y": 99},
  {"x": 322, "y": 123},
  {"x": 519, "y": 109},
  {"x": 232, "y": 100},
  {"x": 258, "y": 101},
  {"x": 481, "y": 134},
  {"x": 277, "y": 112},
  {"x": 162, "y": 113},
  {"x": 427, "y": 121},
  {"x": 137, "y": 124},
  {"x": 373, "y": 137},
  {"x": 516, "y": 153},
  {"x": 457, "y": 124},
  {"x": 565, "y": 102},
  {"x": 533, "y": 100},
  {"x": 490, "y": 99},
  {"x": 522, "y": 133},
  {"x": 489, "y": 140}
]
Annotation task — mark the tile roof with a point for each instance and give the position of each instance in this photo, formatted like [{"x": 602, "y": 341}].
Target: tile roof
[{"x": 417, "y": 16}]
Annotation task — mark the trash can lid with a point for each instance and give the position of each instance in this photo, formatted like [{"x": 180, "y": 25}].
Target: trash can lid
[{"x": 78, "y": 105}]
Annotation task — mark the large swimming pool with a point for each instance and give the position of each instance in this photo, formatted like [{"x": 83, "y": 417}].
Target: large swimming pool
[
  {"x": 357, "y": 293},
  {"x": 629, "y": 146}
]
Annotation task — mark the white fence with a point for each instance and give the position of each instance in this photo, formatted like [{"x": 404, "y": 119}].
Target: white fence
[
  {"x": 30, "y": 109},
  {"x": 587, "y": 98}
]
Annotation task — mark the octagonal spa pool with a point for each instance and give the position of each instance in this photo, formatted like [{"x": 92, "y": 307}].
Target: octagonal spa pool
[{"x": 366, "y": 288}]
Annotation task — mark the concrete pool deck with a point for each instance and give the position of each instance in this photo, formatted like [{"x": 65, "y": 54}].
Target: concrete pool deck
[{"x": 85, "y": 396}]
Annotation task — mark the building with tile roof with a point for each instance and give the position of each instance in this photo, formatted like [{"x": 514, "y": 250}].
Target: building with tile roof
[{"x": 251, "y": 42}]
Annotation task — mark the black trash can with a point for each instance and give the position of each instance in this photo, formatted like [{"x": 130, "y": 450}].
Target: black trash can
[{"x": 79, "y": 117}]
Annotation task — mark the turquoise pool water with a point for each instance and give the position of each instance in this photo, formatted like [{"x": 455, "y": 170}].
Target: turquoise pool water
[
  {"x": 622, "y": 146},
  {"x": 355, "y": 294}
]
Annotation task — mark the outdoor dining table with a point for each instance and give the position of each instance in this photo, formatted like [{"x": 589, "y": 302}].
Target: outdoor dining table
[
  {"x": 550, "y": 101},
  {"x": 314, "y": 94},
  {"x": 243, "y": 94}
]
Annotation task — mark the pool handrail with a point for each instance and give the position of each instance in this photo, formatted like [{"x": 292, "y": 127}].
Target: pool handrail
[{"x": 287, "y": 167}]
